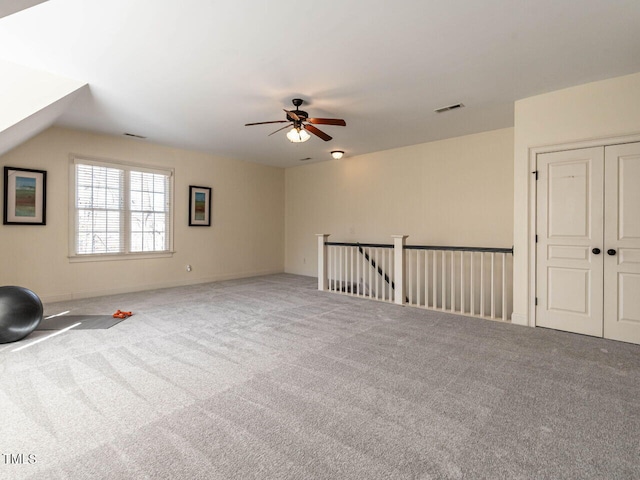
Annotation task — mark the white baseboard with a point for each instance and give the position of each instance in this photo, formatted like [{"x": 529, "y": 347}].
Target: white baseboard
[
  {"x": 519, "y": 319},
  {"x": 152, "y": 286}
]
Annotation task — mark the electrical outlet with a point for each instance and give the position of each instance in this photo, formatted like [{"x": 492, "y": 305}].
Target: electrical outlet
[{"x": 188, "y": 268}]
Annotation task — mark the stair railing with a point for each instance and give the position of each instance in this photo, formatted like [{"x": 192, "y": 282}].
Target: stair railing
[
  {"x": 474, "y": 281},
  {"x": 360, "y": 269}
]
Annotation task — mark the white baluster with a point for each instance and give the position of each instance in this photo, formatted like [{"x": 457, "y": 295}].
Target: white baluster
[
  {"x": 462, "y": 279},
  {"x": 329, "y": 256},
  {"x": 390, "y": 262},
  {"x": 377, "y": 273},
  {"x": 472, "y": 300},
  {"x": 482, "y": 284},
  {"x": 336, "y": 256},
  {"x": 387, "y": 271},
  {"x": 387, "y": 286},
  {"x": 382, "y": 282},
  {"x": 383, "y": 268},
  {"x": 352, "y": 270},
  {"x": 329, "y": 269},
  {"x": 409, "y": 276},
  {"x": 453, "y": 281},
  {"x": 426, "y": 279},
  {"x": 339, "y": 269},
  {"x": 383, "y": 287},
  {"x": 493, "y": 308},
  {"x": 372, "y": 273},
  {"x": 504, "y": 287},
  {"x": 418, "y": 275},
  {"x": 358, "y": 256},
  {"x": 333, "y": 268},
  {"x": 375, "y": 266},
  {"x": 443, "y": 282},
  {"x": 363, "y": 265},
  {"x": 346, "y": 269},
  {"x": 368, "y": 273},
  {"x": 364, "y": 272},
  {"x": 434, "y": 285},
  {"x": 390, "y": 273}
]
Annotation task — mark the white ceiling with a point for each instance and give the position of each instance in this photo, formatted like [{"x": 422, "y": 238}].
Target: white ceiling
[
  {"x": 9, "y": 7},
  {"x": 191, "y": 73}
]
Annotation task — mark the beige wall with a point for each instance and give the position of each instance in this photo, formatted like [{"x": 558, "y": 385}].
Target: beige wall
[
  {"x": 246, "y": 237},
  {"x": 594, "y": 111},
  {"x": 452, "y": 192}
]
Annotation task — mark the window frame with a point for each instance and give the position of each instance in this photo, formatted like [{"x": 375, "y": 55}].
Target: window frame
[{"x": 127, "y": 167}]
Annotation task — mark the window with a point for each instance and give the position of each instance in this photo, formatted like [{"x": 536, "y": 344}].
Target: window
[{"x": 121, "y": 209}]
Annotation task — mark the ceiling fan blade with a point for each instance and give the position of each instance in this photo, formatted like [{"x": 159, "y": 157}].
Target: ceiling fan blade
[
  {"x": 317, "y": 132},
  {"x": 262, "y": 123},
  {"x": 292, "y": 114},
  {"x": 327, "y": 121},
  {"x": 286, "y": 126}
]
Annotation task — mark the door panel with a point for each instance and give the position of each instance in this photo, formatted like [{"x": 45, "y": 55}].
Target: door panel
[
  {"x": 569, "y": 226},
  {"x": 557, "y": 252},
  {"x": 568, "y": 290},
  {"x": 628, "y": 256},
  {"x": 569, "y": 180},
  {"x": 622, "y": 234},
  {"x": 628, "y": 191},
  {"x": 629, "y": 301}
]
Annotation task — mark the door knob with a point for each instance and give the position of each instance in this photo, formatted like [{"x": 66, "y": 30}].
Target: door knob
[
  {"x": 596, "y": 251},
  {"x": 611, "y": 251}
]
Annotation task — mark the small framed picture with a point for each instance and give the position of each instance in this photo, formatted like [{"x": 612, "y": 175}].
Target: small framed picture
[
  {"x": 199, "y": 206},
  {"x": 25, "y": 196}
]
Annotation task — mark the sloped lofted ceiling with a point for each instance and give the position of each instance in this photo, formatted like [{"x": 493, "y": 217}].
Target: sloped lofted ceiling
[
  {"x": 32, "y": 100},
  {"x": 9, "y": 7},
  {"x": 190, "y": 74}
]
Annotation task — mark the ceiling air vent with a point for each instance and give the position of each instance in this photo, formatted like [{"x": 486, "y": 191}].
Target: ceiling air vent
[
  {"x": 133, "y": 135},
  {"x": 449, "y": 107}
]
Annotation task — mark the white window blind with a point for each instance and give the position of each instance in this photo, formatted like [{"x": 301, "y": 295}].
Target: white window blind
[
  {"x": 99, "y": 209},
  {"x": 121, "y": 209},
  {"x": 149, "y": 211}
]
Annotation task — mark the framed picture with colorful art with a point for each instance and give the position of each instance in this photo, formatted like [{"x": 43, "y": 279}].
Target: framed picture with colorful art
[
  {"x": 25, "y": 196},
  {"x": 199, "y": 206}
]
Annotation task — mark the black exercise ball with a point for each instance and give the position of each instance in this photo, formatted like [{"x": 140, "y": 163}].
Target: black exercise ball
[{"x": 20, "y": 313}]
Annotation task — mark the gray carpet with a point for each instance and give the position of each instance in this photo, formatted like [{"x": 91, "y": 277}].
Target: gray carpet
[
  {"x": 80, "y": 322},
  {"x": 267, "y": 378}
]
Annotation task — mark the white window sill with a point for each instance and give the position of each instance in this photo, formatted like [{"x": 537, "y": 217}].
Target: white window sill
[{"x": 118, "y": 257}]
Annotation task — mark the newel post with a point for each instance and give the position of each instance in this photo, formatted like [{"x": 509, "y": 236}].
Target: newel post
[
  {"x": 323, "y": 283},
  {"x": 399, "y": 267}
]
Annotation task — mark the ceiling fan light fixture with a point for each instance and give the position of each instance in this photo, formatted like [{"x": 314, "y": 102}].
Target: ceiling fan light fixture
[
  {"x": 298, "y": 135},
  {"x": 337, "y": 154}
]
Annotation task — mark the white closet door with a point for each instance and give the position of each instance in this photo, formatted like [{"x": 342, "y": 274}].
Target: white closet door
[
  {"x": 622, "y": 243},
  {"x": 569, "y": 228}
]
